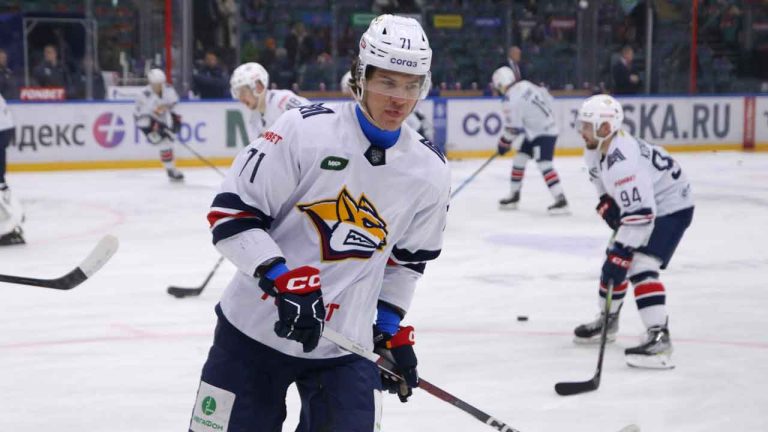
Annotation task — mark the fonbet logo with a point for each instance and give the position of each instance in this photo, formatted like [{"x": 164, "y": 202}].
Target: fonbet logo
[
  {"x": 208, "y": 405},
  {"x": 109, "y": 130}
]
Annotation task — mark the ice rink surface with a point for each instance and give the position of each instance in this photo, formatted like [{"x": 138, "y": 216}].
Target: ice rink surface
[{"x": 119, "y": 354}]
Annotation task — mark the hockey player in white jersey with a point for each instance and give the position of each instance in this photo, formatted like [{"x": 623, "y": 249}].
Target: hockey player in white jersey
[
  {"x": 330, "y": 217},
  {"x": 250, "y": 85},
  {"x": 530, "y": 124},
  {"x": 646, "y": 199},
  {"x": 418, "y": 120},
  {"x": 155, "y": 117},
  {"x": 11, "y": 212}
]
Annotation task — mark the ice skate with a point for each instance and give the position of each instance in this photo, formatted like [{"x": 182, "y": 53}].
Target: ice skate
[
  {"x": 589, "y": 333},
  {"x": 654, "y": 353},
  {"x": 14, "y": 237},
  {"x": 560, "y": 207},
  {"x": 510, "y": 202},
  {"x": 174, "y": 175}
]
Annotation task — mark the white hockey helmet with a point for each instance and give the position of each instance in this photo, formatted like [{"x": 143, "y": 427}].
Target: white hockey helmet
[
  {"x": 600, "y": 109},
  {"x": 502, "y": 78},
  {"x": 397, "y": 44},
  {"x": 156, "y": 76},
  {"x": 247, "y": 74},
  {"x": 344, "y": 83}
]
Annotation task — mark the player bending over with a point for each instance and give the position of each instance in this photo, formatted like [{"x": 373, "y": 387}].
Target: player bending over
[
  {"x": 155, "y": 117},
  {"x": 330, "y": 217},
  {"x": 646, "y": 199},
  {"x": 528, "y": 114},
  {"x": 11, "y": 213},
  {"x": 250, "y": 85}
]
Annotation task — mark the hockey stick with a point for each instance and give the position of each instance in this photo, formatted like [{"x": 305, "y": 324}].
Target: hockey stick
[
  {"x": 387, "y": 365},
  {"x": 165, "y": 133},
  {"x": 571, "y": 388},
  {"x": 474, "y": 174},
  {"x": 180, "y": 292},
  {"x": 103, "y": 251},
  {"x": 202, "y": 158}
]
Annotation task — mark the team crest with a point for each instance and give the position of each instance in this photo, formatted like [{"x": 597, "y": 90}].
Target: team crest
[{"x": 347, "y": 228}]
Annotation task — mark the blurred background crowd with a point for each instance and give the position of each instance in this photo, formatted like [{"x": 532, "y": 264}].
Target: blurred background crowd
[{"x": 87, "y": 47}]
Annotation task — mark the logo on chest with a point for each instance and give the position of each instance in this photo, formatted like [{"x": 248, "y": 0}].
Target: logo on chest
[{"x": 347, "y": 228}]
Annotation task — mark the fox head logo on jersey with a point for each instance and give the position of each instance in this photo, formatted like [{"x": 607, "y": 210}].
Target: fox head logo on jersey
[{"x": 347, "y": 228}]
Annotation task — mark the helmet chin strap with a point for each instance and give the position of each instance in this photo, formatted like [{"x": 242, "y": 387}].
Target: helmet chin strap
[
  {"x": 600, "y": 141},
  {"x": 360, "y": 99},
  {"x": 261, "y": 100}
]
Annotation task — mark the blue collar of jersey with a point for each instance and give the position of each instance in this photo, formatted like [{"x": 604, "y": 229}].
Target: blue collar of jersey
[{"x": 379, "y": 137}]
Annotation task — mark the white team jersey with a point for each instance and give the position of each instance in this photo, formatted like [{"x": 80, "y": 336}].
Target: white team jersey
[
  {"x": 307, "y": 190},
  {"x": 646, "y": 183},
  {"x": 148, "y": 101},
  {"x": 6, "y": 119},
  {"x": 592, "y": 160},
  {"x": 278, "y": 102},
  {"x": 528, "y": 109}
]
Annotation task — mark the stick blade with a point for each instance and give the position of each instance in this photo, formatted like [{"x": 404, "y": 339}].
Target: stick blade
[
  {"x": 99, "y": 256},
  {"x": 572, "y": 388},
  {"x": 180, "y": 292}
]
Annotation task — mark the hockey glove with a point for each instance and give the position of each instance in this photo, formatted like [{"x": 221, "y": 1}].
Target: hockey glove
[
  {"x": 616, "y": 265},
  {"x": 609, "y": 211},
  {"x": 400, "y": 345},
  {"x": 300, "y": 308},
  {"x": 504, "y": 145}
]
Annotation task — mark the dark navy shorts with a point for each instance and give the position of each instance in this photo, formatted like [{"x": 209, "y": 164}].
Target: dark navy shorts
[
  {"x": 244, "y": 384},
  {"x": 666, "y": 235},
  {"x": 6, "y": 136},
  {"x": 546, "y": 148}
]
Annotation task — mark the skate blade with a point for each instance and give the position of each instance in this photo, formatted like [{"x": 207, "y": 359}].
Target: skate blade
[
  {"x": 656, "y": 361},
  {"x": 559, "y": 212},
  {"x": 595, "y": 340},
  {"x": 510, "y": 206}
]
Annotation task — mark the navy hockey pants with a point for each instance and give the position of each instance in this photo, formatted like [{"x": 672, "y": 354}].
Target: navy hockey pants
[
  {"x": 546, "y": 148},
  {"x": 666, "y": 235},
  {"x": 244, "y": 383},
  {"x": 6, "y": 136}
]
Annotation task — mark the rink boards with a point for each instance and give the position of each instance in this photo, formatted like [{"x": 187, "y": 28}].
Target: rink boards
[{"x": 77, "y": 135}]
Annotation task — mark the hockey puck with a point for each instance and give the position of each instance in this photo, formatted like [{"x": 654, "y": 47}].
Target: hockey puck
[{"x": 522, "y": 317}]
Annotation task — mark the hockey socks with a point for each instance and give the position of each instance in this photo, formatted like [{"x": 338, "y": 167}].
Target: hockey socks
[{"x": 650, "y": 297}]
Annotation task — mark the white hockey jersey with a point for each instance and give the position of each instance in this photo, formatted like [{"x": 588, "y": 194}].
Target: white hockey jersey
[
  {"x": 313, "y": 190},
  {"x": 528, "y": 109},
  {"x": 277, "y": 102},
  {"x": 6, "y": 119},
  {"x": 644, "y": 180},
  {"x": 148, "y": 103}
]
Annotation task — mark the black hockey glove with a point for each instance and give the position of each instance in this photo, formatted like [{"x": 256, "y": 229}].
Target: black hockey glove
[
  {"x": 400, "y": 345},
  {"x": 616, "y": 265},
  {"x": 300, "y": 308},
  {"x": 609, "y": 211},
  {"x": 504, "y": 146},
  {"x": 176, "y": 125}
]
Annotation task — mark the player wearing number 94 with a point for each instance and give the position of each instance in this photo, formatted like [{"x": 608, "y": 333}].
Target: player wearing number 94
[
  {"x": 646, "y": 199},
  {"x": 330, "y": 218}
]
